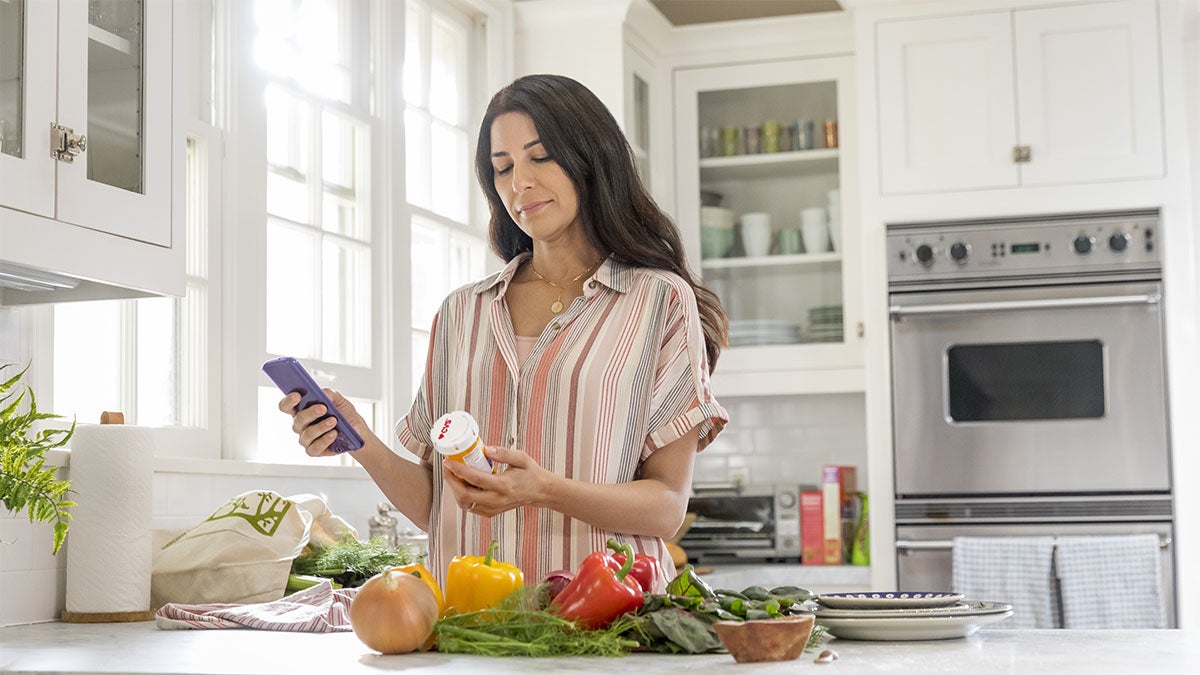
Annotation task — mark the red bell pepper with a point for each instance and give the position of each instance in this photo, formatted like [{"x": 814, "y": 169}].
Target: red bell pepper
[
  {"x": 645, "y": 567},
  {"x": 601, "y": 591}
]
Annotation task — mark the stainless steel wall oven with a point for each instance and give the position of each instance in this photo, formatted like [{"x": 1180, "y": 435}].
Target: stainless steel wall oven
[{"x": 1028, "y": 385}]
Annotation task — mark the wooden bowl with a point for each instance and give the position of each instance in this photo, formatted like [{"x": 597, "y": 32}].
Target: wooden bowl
[{"x": 759, "y": 640}]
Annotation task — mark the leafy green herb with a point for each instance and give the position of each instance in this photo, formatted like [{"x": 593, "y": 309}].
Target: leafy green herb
[
  {"x": 687, "y": 582},
  {"x": 682, "y": 623},
  {"x": 351, "y": 562},
  {"x": 816, "y": 638},
  {"x": 25, "y": 483},
  {"x": 519, "y": 628}
]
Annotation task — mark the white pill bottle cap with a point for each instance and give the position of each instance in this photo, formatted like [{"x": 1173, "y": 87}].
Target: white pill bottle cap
[{"x": 454, "y": 433}]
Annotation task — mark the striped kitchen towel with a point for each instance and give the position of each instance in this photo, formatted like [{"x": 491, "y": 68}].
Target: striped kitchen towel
[
  {"x": 1111, "y": 581},
  {"x": 317, "y": 609},
  {"x": 1015, "y": 570}
]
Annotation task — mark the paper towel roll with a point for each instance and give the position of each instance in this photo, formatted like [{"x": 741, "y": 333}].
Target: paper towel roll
[{"x": 108, "y": 545}]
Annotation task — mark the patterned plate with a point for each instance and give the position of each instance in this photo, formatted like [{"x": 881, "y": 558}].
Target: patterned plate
[
  {"x": 888, "y": 600},
  {"x": 965, "y": 608}
]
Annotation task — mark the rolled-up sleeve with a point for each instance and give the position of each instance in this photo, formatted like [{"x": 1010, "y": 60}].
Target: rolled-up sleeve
[{"x": 681, "y": 396}]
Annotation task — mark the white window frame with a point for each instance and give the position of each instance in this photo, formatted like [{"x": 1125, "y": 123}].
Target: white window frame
[
  {"x": 244, "y": 337},
  {"x": 194, "y": 54}
]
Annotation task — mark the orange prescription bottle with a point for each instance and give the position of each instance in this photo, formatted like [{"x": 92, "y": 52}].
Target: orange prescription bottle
[{"x": 456, "y": 436}]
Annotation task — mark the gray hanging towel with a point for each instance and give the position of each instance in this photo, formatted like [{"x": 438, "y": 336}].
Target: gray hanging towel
[
  {"x": 1111, "y": 581},
  {"x": 1016, "y": 570}
]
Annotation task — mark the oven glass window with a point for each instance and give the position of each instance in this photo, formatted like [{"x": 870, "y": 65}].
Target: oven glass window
[{"x": 1026, "y": 381}]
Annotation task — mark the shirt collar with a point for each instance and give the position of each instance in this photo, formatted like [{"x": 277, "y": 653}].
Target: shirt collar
[
  {"x": 612, "y": 273},
  {"x": 502, "y": 277}
]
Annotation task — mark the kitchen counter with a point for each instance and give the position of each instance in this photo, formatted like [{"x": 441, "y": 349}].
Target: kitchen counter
[{"x": 141, "y": 648}]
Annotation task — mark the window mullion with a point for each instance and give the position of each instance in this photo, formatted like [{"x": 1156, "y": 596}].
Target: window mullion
[
  {"x": 314, "y": 183},
  {"x": 128, "y": 366}
]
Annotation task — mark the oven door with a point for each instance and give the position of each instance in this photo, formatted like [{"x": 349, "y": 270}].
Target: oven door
[{"x": 1037, "y": 390}]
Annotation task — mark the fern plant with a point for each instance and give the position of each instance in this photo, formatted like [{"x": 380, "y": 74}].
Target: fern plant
[{"x": 25, "y": 482}]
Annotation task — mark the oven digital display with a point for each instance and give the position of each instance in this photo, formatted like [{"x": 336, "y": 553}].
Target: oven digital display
[
  {"x": 1012, "y": 382},
  {"x": 1025, "y": 248}
]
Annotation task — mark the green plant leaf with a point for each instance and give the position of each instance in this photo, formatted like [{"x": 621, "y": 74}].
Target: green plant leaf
[{"x": 25, "y": 482}]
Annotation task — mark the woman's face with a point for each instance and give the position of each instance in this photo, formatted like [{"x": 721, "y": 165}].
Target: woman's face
[{"x": 538, "y": 194}]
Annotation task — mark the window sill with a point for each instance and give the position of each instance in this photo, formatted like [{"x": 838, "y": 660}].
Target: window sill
[{"x": 233, "y": 467}]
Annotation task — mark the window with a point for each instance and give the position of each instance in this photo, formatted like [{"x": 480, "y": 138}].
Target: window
[
  {"x": 448, "y": 246},
  {"x": 316, "y": 56},
  {"x": 148, "y": 358},
  {"x": 335, "y": 254},
  {"x": 156, "y": 359}
]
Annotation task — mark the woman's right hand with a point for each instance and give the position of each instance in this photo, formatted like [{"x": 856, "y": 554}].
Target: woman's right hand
[{"x": 316, "y": 438}]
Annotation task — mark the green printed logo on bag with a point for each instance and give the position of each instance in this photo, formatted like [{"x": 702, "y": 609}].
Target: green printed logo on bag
[{"x": 265, "y": 516}]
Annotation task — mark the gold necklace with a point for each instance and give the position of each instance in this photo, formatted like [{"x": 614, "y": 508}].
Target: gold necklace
[{"x": 557, "y": 305}]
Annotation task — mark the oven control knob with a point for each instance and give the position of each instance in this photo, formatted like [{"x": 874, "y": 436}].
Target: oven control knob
[
  {"x": 925, "y": 254},
  {"x": 786, "y": 500},
  {"x": 1083, "y": 244},
  {"x": 959, "y": 252},
  {"x": 1119, "y": 242}
]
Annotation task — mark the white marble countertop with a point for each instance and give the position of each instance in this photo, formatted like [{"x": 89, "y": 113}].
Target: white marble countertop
[{"x": 141, "y": 648}]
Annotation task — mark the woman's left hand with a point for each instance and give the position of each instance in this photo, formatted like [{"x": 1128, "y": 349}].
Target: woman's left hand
[{"x": 484, "y": 494}]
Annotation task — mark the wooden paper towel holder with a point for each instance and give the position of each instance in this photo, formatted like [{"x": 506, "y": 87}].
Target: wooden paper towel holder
[{"x": 107, "y": 417}]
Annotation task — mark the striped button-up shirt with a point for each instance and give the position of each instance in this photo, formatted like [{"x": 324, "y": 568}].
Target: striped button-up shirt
[{"x": 621, "y": 373}]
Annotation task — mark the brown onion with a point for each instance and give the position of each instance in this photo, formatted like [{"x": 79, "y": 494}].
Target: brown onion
[{"x": 394, "y": 612}]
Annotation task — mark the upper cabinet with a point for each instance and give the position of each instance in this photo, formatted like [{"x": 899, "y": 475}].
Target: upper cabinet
[
  {"x": 765, "y": 196},
  {"x": 1028, "y": 97},
  {"x": 86, "y": 153}
]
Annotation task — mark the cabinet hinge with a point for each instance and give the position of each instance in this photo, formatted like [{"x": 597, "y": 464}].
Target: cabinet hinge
[
  {"x": 1021, "y": 153},
  {"x": 65, "y": 144}
]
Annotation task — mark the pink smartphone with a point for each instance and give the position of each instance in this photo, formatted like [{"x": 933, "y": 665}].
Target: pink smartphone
[{"x": 290, "y": 376}]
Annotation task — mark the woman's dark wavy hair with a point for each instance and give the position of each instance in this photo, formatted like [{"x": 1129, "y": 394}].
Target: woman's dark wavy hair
[{"x": 618, "y": 215}]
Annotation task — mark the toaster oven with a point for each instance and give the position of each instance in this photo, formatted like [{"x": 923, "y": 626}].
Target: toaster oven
[{"x": 758, "y": 523}]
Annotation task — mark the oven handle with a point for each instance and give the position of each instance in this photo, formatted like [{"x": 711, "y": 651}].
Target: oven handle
[
  {"x": 910, "y": 546},
  {"x": 1056, "y": 303}
]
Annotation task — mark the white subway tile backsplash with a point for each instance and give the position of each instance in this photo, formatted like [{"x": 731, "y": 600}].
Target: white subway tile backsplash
[
  {"x": 16, "y": 544},
  {"x": 787, "y": 439},
  {"x": 32, "y": 595},
  {"x": 190, "y": 494},
  {"x": 43, "y": 557}
]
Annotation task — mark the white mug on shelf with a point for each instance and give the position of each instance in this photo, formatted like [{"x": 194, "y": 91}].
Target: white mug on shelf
[
  {"x": 814, "y": 225},
  {"x": 756, "y": 233}
]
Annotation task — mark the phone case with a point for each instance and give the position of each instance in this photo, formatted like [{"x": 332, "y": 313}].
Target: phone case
[{"x": 290, "y": 376}]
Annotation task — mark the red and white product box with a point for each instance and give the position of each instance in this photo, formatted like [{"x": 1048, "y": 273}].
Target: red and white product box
[
  {"x": 812, "y": 528},
  {"x": 838, "y": 485}
]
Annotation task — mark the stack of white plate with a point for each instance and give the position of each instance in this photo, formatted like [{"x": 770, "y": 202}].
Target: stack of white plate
[
  {"x": 825, "y": 324},
  {"x": 899, "y": 615},
  {"x": 763, "y": 332}
]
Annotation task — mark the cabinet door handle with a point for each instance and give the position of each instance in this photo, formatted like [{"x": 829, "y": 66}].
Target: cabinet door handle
[
  {"x": 1021, "y": 154},
  {"x": 65, "y": 144}
]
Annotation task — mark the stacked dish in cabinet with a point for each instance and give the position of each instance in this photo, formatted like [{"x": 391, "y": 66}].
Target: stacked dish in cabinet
[{"x": 767, "y": 209}]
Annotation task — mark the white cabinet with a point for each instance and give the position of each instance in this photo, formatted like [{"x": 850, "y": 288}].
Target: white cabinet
[
  {"x": 1029, "y": 97},
  {"x": 87, "y": 159},
  {"x": 794, "y": 299}
]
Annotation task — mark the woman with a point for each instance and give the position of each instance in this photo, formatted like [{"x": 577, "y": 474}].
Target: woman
[{"x": 585, "y": 360}]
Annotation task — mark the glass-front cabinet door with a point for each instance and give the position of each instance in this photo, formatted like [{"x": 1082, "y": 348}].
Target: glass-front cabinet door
[
  {"x": 27, "y": 104},
  {"x": 114, "y": 107},
  {"x": 765, "y": 176}
]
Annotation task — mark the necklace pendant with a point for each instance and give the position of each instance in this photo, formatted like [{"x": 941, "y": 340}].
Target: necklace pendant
[{"x": 556, "y": 307}]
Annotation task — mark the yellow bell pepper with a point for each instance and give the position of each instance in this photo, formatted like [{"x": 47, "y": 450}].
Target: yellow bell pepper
[
  {"x": 419, "y": 571},
  {"x": 474, "y": 582}
]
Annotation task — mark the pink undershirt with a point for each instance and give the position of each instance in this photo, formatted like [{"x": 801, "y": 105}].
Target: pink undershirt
[{"x": 524, "y": 346}]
